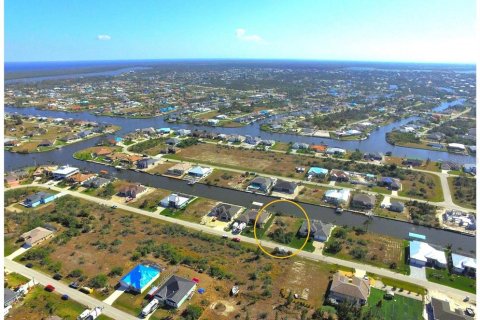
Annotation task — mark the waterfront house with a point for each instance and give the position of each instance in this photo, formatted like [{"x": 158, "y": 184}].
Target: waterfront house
[
  {"x": 131, "y": 190},
  {"x": 464, "y": 265},
  {"x": 46, "y": 143},
  {"x": 456, "y": 147},
  {"x": 64, "y": 172},
  {"x": 199, "y": 172},
  {"x": 173, "y": 141},
  {"x": 422, "y": 254},
  {"x": 412, "y": 162},
  {"x": 37, "y": 199},
  {"x": 96, "y": 182},
  {"x": 80, "y": 177},
  {"x": 184, "y": 132},
  {"x": 450, "y": 165},
  {"x": 249, "y": 216},
  {"x": 252, "y": 140},
  {"x": 145, "y": 163},
  {"x": 175, "y": 201},
  {"x": 373, "y": 156},
  {"x": 396, "y": 206},
  {"x": 337, "y": 197},
  {"x": 363, "y": 201},
  {"x": 319, "y": 231},
  {"x": 470, "y": 168},
  {"x": 262, "y": 184},
  {"x": 175, "y": 291},
  {"x": 350, "y": 290},
  {"x": 224, "y": 212},
  {"x": 284, "y": 186},
  {"x": 179, "y": 169},
  {"x": 335, "y": 151},
  {"x": 36, "y": 236},
  {"x": 300, "y": 145},
  {"x": 318, "y": 148}
]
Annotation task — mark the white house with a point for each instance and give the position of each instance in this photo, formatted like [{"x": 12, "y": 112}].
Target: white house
[
  {"x": 461, "y": 263},
  {"x": 174, "y": 201},
  {"x": 64, "y": 172},
  {"x": 422, "y": 253},
  {"x": 337, "y": 196}
]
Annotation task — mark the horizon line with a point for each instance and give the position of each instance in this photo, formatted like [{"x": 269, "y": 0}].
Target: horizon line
[{"x": 252, "y": 59}]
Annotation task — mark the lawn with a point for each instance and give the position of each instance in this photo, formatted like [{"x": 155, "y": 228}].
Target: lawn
[
  {"x": 227, "y": 179},
  {"x": 463, "y": 191},
  {"x": 280, "y": 146},
  {"x": 312, "y": 194},
  {"x": 14, "y": 279},
  {"x": 421, "y": 185},
  {"x": 442, "y": 276},
  {"x": 39, "y": 304},
  {"x": 398, "y": 308},
  {"x": 150, "y": 201},
  {"x": 369, "y": 248}
]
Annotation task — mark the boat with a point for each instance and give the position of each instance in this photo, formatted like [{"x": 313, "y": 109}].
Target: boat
[{"x": 235, "y": 290}]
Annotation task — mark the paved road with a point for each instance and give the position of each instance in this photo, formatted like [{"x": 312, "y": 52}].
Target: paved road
[
  {"x": 316, "y": 256},
  {"x": 62, "y": 288}
]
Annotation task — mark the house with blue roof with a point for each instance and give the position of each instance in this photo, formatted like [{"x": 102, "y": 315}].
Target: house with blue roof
[
  {"x": 462, "y": 264},
  {"x": 140, "y": 278},
  {"x": 37, "y": 199},
  {"x": 199, "y": 171},
  {"x": 164, "y": 130},
  {"x": 316, "y": 172}
]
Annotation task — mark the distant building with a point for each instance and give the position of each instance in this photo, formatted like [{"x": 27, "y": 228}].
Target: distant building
[{"x": 175, "y": 291}]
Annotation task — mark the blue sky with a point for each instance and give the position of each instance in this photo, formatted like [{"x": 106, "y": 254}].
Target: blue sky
[{"x": 364, "y": 30}]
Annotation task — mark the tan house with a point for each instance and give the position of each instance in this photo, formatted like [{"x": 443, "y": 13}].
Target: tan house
[
  {"x": 179, "y": 169},
  {"x": 345, "y": 289},
  {"x": 36, "y": 236}
]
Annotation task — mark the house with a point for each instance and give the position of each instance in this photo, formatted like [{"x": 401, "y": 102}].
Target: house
[
  {"x": 262, "y": 184},
  {"x": 96, "y": 182},
  {"x": 351, "y": 290},
  {"x": 213, "y": 122},
  {"x": 412, "y": 162},
  {"x": 391, "y": 183},
  {"x": 450, "y": 165},
  {"x": 140, "y": 278},
  {"x": 339, "y": 175},
  {"x": 363, "y": 201},
  {"x": 319, "y": 231},
  {"x": 10, "y": 297},
  {"x": 10, "y": 143},
  {"x": 46, "y": 143},
  {"x": 175, "y": 201},
  {"x": 84, "y": 134},
  {"x": 102, "y": 152},
  {"x": 456, "y": 147},
  {"x": 421, "y": 254},
  {"x": 224, "y": 212},
  {"x": 285, "y": 186},
  {"x": 249, "y": 216},
  {"x": 145, "y": 163},
  {"x": 179, "y": 169},
  {"x": 175, "y": 291},
  {"x": 441, "y": 311},
  {"x": 335, "y": 151},
  {"x": 80, "y": 177},
  {"x": 318, "y": 148},
  {"x": 252, "y": 140},
  {"x": 173, "y": 141},
  {"x": 462, "y": 264},
  {"x": 337, "y": 197},
  {"x": 470, "y": 168},
  {"x": 184, "y": 132},
  {"x": 267, "y": 143},
  {"x": 316, "y": 172},
  {"x": 36, "y": 236},
  {"x": 396, "y": 206},
  {"x": 164, "y": 130},
  {"x": 131, "y": 190},
  {"x": 64, "y": 172},
  {"x": 199, "y": 171},
  {"x": 300, "y": 145},
  {"x": 37, "y": 199},
  {"x": 236, "y": 138},
  {"x": 373, "y": 156},
  {"x": 68, "y": 138}
]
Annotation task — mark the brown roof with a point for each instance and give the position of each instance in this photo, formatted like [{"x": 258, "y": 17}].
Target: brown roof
[
  {"x": 80, "y": 177},
  {"x": 353, "y": 287},
  {"x": 35, "y": 235},
  {"x": 103, "y": 151}
]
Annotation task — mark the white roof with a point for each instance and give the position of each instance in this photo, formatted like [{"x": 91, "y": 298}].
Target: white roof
[
  {"x": 65, "y": 170},
  {"x": 456, "y": 145},
  {"x": 422, "y": 251},
  {"x": 342, "y": 194},
  {"x": 461, "y": 262}
]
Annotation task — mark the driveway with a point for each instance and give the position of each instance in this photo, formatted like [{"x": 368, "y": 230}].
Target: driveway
[{"x": 418, "y": 273}]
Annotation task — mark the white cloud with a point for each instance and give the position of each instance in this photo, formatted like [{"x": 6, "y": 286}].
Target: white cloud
[
  {"x": 104, "y": 37},
  {"x": 242, "y": 35}
]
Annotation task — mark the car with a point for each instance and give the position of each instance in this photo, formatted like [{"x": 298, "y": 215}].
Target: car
[
  {"x": 74, "y": 285},
  {"x": 466, "y": 299},
  {"x": 65, "y": 297},
  {"x": 49, "y": 288},
  {"x": 225, "y": 236},
  {"x": 114, "y": 207},
  {"x": 29, "y": 265},
  {"x": 470, "y": 312},
  {"x": 57, "y": 276},
  {"x": 236, "y": 239}
]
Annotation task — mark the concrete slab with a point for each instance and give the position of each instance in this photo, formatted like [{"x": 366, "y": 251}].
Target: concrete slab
[
  {"x": 115, "y": 295},
  {"x": 18, "y": 252}
]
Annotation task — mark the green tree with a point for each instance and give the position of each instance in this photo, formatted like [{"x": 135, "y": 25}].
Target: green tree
[{"x": 99, "y": 281}]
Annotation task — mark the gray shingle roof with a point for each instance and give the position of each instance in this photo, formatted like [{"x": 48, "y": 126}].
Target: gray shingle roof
[{"x": 175, "y": 289}]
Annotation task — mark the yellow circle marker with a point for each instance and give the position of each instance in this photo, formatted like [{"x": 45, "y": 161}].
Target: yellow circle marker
[{"x": 258, "y": 241}]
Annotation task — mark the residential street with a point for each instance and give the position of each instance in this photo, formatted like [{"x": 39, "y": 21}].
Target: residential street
[{"x": 454, "y": 293}]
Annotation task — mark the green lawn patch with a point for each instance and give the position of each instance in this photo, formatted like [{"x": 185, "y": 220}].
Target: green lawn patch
[
  {"x": 407, "y": 286},
  {"x": 14, "y": 279},
  {"x": 442, "y": 276},
  {"x": 397, "y": 308}
]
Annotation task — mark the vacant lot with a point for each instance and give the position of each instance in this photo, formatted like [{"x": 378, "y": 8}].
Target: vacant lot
[
  {"x": 227, "y": 179},
  {"x": 370, "y": 248},
  {"x": 426, "y": 165},
  {"x": 398, "y": 308},
  {"x": 161, "y": 168},
  {"x": 150, "y": 201},
  {"x": 423, "y": 186},
  {"x": 463, "y": 191},
  {"x": 152, "y": 147},
  {"x": 312, "y": 194},
  {"x": 40, "y": 304},
  {"x": 193, "y": 212}
]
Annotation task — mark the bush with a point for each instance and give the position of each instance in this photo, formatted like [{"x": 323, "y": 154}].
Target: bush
[
  {"x": 116, "y": 271},
  {"x": 333, "y": 247},
  {"x": 192, "y": 312},
  {"x": 99, "y": 281}
]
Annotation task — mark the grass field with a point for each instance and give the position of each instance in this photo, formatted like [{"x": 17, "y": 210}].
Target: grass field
[
  {"x": 398, "y": 308},
  {"x": 150, "y": 201},
  {"x": 421, "y": 185},
  {"x": 442, "y": 276},
  {"x": 14, "y": 279},
  {"x": 463, "y": 191}
]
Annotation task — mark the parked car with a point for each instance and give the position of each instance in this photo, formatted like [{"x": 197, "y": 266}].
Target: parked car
[
  {"x": 29, "y": 265},
  {"x": 86, "y": 290},
  {"x": 470, "y": 312},
  {"x": 50, "y": 288},
  {"x": 65, "y": 297},
  {"x": 74, "y": 285},
  {"x": 236, "y": 239},
  {"x": 57, "y": 276},
  {"x": 224, "y": 236}
]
